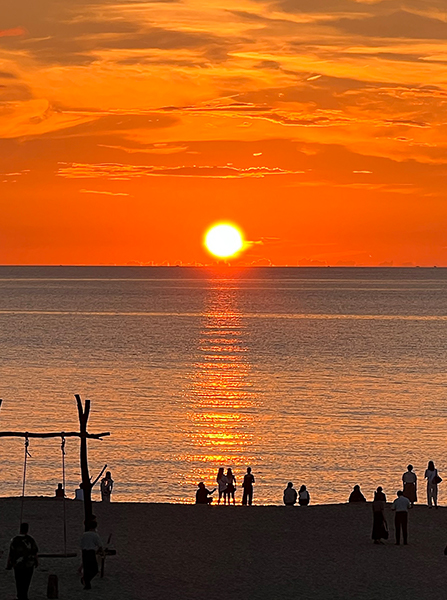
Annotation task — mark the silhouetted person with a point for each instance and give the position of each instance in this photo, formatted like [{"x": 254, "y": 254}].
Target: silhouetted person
[
  {"x": 222, "y": 483},
  {"x": 231, "y": 486},
  {"x": 60, "y": 492},
  {"x": 91, "y": 544},
  {"x": 247, "y": 497},
  {"x": 356, "y": 495},
  {"x": 303, "y": 496},
  {"x": 290, "y": 495},
  {"x": 23, "y": 558},
  {"x": 432, "y": 477},
  {"x": 106, "y": 487},
  {"x": 380, "y": 527},
  {"x": 79, "y": 493},
  {"x": 202, "y": 494},
  {"x": 401, "y": 506},
  {"x": 410, "y": 484}
]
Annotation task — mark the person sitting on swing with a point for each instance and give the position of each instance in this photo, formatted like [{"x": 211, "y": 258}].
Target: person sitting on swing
[
  {"x": 60, "y": 492},
  {"x": 91, "y": 544},
  {"x": 106, "y": 487}
]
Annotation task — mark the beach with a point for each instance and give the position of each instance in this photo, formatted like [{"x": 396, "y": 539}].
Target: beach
[{"x": 321, "y": 552}]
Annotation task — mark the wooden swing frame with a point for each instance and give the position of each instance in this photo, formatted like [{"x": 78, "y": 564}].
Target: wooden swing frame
[{"x": 83, "y": 435}]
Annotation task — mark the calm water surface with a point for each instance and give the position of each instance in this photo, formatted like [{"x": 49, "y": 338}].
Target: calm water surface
[{"x": 328, "y": 377}]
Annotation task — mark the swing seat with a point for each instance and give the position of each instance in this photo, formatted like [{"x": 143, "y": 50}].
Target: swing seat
[{"x": 58, "y": 555}]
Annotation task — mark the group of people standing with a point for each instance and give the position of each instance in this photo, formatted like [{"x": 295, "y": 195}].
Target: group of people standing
[
  {"x": 226, "y": 486},
  {"x": 405, "y": 500}
]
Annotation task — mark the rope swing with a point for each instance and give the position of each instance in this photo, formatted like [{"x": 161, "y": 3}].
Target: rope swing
[
  {"x": 24, "y": 476},
  {"x": 63, "y": 485},
  {"x": 25, "y": 462}
]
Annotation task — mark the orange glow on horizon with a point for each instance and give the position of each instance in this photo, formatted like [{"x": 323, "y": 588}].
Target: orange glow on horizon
[{"x": 126, "y": 127}]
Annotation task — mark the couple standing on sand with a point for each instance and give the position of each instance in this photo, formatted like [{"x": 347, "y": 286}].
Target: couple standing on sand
[
  {"x": 410, "y": 484},
  {"x": 227, "y": 486}
]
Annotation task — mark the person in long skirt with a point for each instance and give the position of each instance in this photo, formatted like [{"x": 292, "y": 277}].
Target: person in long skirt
[
  {"x": 431, "y": 475},
  {"x": 410, "y": 484},
  {"x": 222, "y": 483},
  {"x": 380, "y": 527}
]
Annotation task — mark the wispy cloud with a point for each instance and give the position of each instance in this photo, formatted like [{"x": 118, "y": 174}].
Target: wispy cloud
[
  {"x": 116, "y": 171},
  {"x": 104, "y": 192},
  {"x": 14, "y": 32}
]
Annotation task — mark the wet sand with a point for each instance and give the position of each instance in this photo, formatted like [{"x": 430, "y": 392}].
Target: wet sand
[{"x": 321, "y": 552}]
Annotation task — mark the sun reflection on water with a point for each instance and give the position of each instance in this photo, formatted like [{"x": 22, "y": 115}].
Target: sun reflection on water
[{"x": 220, "y": 400}]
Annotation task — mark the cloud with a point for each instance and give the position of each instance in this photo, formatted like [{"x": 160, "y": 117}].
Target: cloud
[
  {"x": 151, "y": 149},
  {"x": 103, "y": 192},
  {"x": 398, "y": 24},
  {"x": 117, "y": 171},
  {"x": 14, "y": 32}
]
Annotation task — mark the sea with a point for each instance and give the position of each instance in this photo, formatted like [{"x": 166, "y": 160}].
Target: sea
[{"x": 327, "y": 377}]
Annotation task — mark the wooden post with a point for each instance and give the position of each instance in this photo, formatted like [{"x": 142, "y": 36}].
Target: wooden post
[
  {"x": 83, "y": 435},
  {"x": 86, "y": 483}
]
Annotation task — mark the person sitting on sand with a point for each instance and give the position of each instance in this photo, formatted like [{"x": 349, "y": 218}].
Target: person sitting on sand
[
  {"x": 410, "y": 484},
  {"x": 79, "y": 493},
  {"x": 202, "y": 494},
  {"x": 303, "y": 496},
  {"x": 380, "y": 526},
  {"x": 60, "y": 492},
  {"x": 90, "y": 545},
  {"x": 290, "y": 495},
  {"x": 356, "y": 495},
  {"x": 231, "y": 487},
  {"x": 222, "y": 483},
  {"x": 106, "y": 487}
]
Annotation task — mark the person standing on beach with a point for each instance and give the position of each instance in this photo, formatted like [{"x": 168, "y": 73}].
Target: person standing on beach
[
  {"x": 222, "y": 483},
  {"x": 23, "y": 558},
  {"x": 290, "y": 495},
  {"x": 303, "y": 496},
  {"x": 91, "y": 544},
  {"x": 106, "y": 487},
  {"x": 401, "y": 506},
  {"x": 410, "y": 484},
  {"x": 59, "y": 492},
  {"x": 380, "y": 527},
  {"x": 432, "y": 477},
  {"x": 248, "y": 488},
  {"x": 231, "y": 487}
]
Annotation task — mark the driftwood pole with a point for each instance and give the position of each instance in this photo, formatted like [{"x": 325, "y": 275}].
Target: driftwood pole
[
  {"x": 83, "y": 435},
  {"x": 83, "y": 413}
]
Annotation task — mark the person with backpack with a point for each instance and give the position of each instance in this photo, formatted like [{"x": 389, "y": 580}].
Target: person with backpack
[
  {"x": 23, "y": 559},
  {"x": 432, "y": 477}
]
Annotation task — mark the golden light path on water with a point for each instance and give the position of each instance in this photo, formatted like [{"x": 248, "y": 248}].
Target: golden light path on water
[{"x": 220, "y": 401}]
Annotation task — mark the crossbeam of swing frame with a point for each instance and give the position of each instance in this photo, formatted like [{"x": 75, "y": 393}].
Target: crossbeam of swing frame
[{"x": 29, "y": 434}]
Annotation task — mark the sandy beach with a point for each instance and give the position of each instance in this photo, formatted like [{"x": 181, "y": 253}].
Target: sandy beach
[{"x": 263, "y": 552}]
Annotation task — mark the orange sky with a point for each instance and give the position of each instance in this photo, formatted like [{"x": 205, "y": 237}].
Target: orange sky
[{"x": 319, "y": 126}]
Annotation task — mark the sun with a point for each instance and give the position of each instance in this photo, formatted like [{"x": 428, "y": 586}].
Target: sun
[{"x": 224, "y": 240}]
